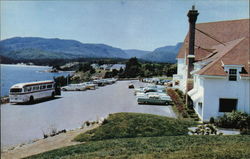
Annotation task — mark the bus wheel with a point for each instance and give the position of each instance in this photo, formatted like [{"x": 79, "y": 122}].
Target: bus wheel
[
  {"x": 53, "y": 95},
  {"x": 31, "y": 99}
]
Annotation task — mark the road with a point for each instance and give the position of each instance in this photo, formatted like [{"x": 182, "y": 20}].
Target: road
[{"x": 24, "y": 123}]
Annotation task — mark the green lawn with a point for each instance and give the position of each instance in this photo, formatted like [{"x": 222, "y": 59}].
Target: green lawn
[
  {"x": 145, "y": 136},
  {"x": 127, "y": 125},
  {"x": 171, "y": 147}
]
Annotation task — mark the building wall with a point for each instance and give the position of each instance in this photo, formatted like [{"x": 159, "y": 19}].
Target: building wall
[
  {"x": 181, "y": 74},
  {"x": 214, "y": 89},
  {"x": 199, "y": 92},
  {"x": 180, "y": 65}
]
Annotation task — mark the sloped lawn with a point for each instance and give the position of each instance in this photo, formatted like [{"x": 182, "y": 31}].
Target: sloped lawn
[
  {"x": 170, "y": 147},
  {"x": 145, "y": 136},
  {"x": 128, "y": 125}
]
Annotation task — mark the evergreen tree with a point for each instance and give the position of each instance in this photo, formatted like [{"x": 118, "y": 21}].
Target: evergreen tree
[{"x": 133, "y": 68}]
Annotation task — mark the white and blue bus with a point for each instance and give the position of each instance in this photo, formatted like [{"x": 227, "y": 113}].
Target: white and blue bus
[{"x": 29, "y": 92}]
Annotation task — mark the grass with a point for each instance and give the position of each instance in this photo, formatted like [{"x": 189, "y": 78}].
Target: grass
[
  {"x": 128, "y": 125},
  {"x": 145, "y": 136},
  {"x": 171, "y": 147}
]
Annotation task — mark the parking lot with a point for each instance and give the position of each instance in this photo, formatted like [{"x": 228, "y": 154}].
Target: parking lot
[{"x": 24, "y": 123}]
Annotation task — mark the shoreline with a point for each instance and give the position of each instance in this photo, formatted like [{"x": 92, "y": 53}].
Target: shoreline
[{"x": 22, "y": 65}]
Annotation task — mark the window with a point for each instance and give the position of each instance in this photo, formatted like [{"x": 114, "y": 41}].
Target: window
[
  {"x": 227, "y": 105},
  {"x": 14, "y": 90},
  {"x": 200, "y": 105},
  {"x": 42, "y": 87},
  {"x": 49, "y": 86},
  {"x": 35, "y": 88},
  {"x": 27, "y": 89},
  {"x": 232, "y": 74}
]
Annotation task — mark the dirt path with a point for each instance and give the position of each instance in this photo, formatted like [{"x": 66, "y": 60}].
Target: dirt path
[{"x": 43, "y": 145}]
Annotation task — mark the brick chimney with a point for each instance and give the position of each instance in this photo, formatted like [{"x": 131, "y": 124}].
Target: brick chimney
[{"x": 192, "y": 17}]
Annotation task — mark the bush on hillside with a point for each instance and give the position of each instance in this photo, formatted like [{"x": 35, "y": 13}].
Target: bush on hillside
[
  {"x": 178, "y": 102},
  {"x": 234, "y": 119}
]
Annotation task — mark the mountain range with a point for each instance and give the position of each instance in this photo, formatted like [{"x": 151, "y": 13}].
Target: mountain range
[
  {"x": 31, "y": 48},
  {"x": 163, "y": 54}
]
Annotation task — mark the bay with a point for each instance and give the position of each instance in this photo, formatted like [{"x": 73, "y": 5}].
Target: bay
[{"x": 13, "y": 74}]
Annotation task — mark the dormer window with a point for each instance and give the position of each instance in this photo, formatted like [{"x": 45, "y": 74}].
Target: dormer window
[{"x": 232, "y": 74}]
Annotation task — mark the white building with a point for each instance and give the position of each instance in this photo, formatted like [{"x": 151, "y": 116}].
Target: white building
[
  {"x": 118, "y": 67},
  {"x": 220, "y": 77}
]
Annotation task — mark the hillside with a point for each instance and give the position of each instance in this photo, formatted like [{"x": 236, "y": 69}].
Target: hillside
[
  {"x": 163, "y": 54},
  {"x": 41, "y": 48},
  {"x": 136, "y": 135},
  {"x": 33, "y": 48},
  {"x": 136, "y": 53}
]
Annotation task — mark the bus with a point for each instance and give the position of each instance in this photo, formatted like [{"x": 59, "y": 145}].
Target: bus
[{"x": 29, "y": 92}]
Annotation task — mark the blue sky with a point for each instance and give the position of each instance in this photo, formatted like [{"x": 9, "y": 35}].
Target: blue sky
[{"x": 127, "y": 24}]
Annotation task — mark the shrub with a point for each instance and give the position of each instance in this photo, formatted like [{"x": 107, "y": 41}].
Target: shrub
[
  {"x": 180, "y": 93},
  {"x": 234, "y": 119},
  {"x": 206, "y": 129},
  {"x": 190, "y": 111},
  {"x": 105, "y": 121},
  {"x": 245, "y": 131},
  {"x": 178, "y": 102},
  {"x": 212, "y": 121}
]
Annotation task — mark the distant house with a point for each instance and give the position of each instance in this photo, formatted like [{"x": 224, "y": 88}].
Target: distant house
[
  {"x": 95, "y": 66},
  {"x": 117, "y": 67},
  {"x": 111, "y": 67},
  {"x": 213, "y": 66},
  {"x": 105, "y": 66}
]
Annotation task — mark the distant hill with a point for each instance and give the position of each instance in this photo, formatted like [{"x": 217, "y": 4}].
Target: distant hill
[
  {"x": 163, "y": 54},
  {"x": 136, "y": 53},
  {"x": 34, "y": 48},
  {"x": 41, "y": 48},
  {"x": 6, "y": 60}
]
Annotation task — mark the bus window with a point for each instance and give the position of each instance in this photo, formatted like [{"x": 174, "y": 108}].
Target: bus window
[
  {"x": 49, "y": 86},
  {"x": 27, "y": 89},
  {"x": 43, "y": 87},
  {"x": 15, "y": 90},
  {"x": 35, "y": 88}
]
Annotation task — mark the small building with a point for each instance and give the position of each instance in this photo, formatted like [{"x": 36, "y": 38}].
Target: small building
[
  {"x": 105, "y": 66},
  {"x": 95, "y": 66},
  {"x": 117, "y": 67}
]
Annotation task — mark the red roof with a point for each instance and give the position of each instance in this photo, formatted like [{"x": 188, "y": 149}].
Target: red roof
[
  {"x": 234, "y": 53},
  {"x": 224, "y": 31},
  {"x": 233, "y": 34}
]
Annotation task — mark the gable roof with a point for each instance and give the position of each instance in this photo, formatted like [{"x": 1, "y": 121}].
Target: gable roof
[
  {"x": 223, "y": 31},
  {"x": 233, "y": 53}
]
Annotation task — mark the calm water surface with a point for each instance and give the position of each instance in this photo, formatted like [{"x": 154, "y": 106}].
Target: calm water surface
[{"x": 12, "y": 74}]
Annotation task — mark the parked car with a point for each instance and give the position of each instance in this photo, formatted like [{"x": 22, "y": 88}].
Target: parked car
[
  {"x": 74, "y": 87},
  {"x": 153, "y": 98},
  {"x": 131, "y": 86}
]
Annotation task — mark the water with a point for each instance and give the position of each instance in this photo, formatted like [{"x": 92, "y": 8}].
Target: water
[{"x": 12, "y": 74}]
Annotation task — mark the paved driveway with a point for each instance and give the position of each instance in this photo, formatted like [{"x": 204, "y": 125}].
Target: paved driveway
[{"x": 24, "y": 123}]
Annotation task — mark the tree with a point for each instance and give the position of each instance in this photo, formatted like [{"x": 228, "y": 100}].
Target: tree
[
  {"x": 86, "y": 67},
  {"x": 133, "y": 68}
]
